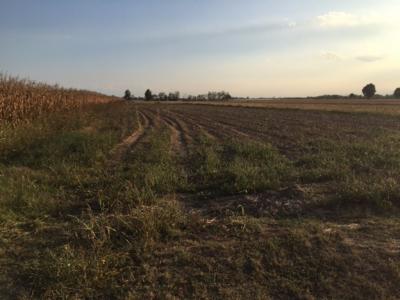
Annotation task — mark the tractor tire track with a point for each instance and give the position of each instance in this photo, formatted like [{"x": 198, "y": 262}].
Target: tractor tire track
[
  {"x": 223, "y": 128},
  {"x": 178, "y": 143},
  {"x": 201, "y": 127},
  {"x": 247, "y": 129},
  {"x": 217, "y": 129},
  {"x": 118, "y": 152},
  {"x": 183, "y": 132}
]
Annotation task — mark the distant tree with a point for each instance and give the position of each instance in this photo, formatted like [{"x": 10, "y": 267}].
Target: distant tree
[
  {"x": 212, "y": 96},
  {"x": 202, "y": 97},
  {"x": 369, "y": 91},
  {"x": 173, "y": 96},
  {"x": 218, "y": 96},
  {"x": 227, "y": 96},
  {"x": 148, "y": 95},
  {"x": 326, "y": 97},
  {"x": 193, "y": 98},
  {"x": 162, "y": 96},
  {"x": 397, "y": 93},
  {"x": 128, "y": 95},
  {"x": 352, "y": 96}
]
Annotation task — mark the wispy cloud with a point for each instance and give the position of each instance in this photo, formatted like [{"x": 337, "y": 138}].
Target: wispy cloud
[
  {"x": 330, "y": 56},
  {"x": 261, "y": 28},
  {"x": 339, "y": 19},
  {"x": 369, "y": 58}
]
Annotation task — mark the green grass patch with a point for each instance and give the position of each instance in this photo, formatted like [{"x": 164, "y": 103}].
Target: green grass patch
[
  {"x": 358, "y": 173},
  {"x": 237, "y": 168}
]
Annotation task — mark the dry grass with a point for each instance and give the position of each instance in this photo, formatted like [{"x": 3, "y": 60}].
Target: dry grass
[
  {"x": 25, "y": 100},
  {"x": 261, "y": 204}
]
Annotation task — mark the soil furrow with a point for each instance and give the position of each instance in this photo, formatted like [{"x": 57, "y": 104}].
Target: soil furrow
[
  {"x": 181, "y": 138},
  {"x": 119, "y": 151}
]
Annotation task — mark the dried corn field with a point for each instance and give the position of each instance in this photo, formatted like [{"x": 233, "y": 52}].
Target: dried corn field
[{"x": 25, "y": 100}]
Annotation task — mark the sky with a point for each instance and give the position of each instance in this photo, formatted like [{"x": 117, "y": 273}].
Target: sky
[{"x": 256, "y": 48}]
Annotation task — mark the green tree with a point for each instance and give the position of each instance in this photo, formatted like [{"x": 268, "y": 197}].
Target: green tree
[
  {"x": 162, "y": 96},
  {"x": 397, "y": 93},
  {"x": 369, "y": 90},
  {"x": 174, "y": 96},
  {"x": 148, "y": 95},
  {"x": 128, "y": 95},
  {"x": 352, "y": 96}
]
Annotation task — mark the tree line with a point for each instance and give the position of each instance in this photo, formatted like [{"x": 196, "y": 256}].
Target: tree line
[
  {"x": 369, "y": 91},
  {"x": 175, "y": 96}
]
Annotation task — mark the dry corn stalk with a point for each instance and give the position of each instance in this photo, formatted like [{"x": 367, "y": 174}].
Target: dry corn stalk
[{"x": 24, "y": 100}]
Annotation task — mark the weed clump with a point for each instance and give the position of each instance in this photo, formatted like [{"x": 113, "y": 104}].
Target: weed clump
[{"x": 233, "y": 167}]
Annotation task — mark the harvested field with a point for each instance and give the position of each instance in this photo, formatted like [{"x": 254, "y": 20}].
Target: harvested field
[
  {"x": 154, "y": 200},
  {"x": 385, "y": 106}
]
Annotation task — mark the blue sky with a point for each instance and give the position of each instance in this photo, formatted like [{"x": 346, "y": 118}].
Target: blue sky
[{"x": 250, "y": 48}]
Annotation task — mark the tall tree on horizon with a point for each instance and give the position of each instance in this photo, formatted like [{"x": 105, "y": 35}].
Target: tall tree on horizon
[
  {"x": 128, "y": 95},
  {"x": 148, "y": 95},
  {"x": 396, "y": 93},
  {"x": 369, "y": 91}
]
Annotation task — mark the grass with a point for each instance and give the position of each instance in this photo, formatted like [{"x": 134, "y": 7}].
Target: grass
[
  {"x": 364, "y": 173},
  {"x": 236, "y": 168},
  {"x": 163, "y": 225}
]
